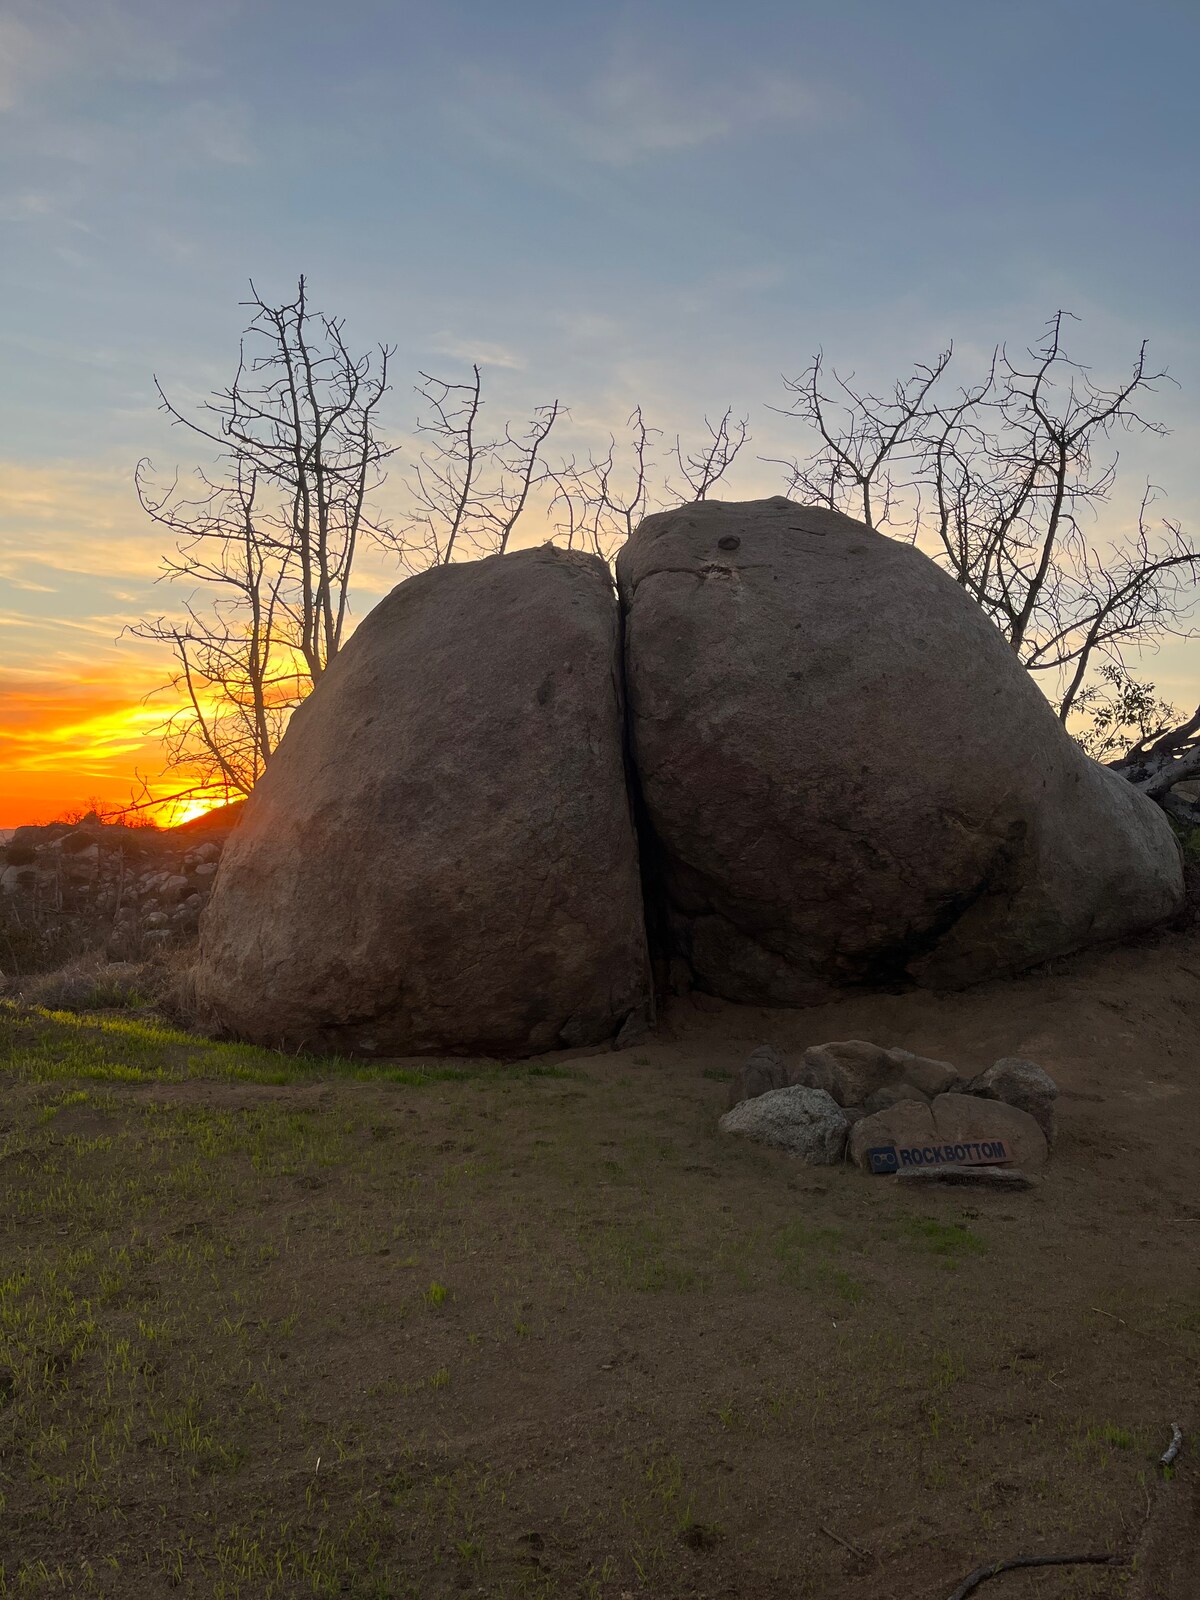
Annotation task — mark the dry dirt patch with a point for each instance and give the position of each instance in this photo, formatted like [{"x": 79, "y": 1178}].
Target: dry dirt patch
[{"x": 543, "y": 1333}]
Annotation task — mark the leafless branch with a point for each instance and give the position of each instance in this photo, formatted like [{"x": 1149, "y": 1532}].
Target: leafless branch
[
  {"x": 267, "y": 537},
  {"x": 1003, "y": 481},
  {"x": 468, "y": 490}
]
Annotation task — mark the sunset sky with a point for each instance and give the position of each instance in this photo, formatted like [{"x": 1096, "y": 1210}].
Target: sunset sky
[{"x": 669, "y": 204}]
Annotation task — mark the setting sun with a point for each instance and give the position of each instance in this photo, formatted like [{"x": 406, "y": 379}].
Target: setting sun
[{"x": 84, "y": 740}]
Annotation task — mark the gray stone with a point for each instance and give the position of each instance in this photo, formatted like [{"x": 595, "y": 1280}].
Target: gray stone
[
  {"x": 441, "y": 855},
  {"x": 634, "y": 1030},
  {"x": 763, "y": 1070},
  {"x": 1022, "y": 1084},
  {"x": 850, "y": 777},
  {"x": 805, "y": 1122}
]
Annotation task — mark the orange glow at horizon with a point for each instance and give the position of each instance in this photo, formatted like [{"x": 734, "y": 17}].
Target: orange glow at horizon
[
  {"x": 193, "y": 809},
  {"x": 67, "y": 742}
]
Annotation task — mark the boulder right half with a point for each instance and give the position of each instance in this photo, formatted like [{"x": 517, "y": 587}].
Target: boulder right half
[{"x": 848, "y": 778}]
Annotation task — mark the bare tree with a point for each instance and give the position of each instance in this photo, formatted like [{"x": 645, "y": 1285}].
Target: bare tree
[
  {"x": 1001, "y": 483},
  {"x": 600, "y": 501},
  {"x": 470, "y": 487},
  {"x": 704, "y": 467},
  {"x": 267, "y": 537},
  {"x": 871, "y": 448},
  {"x": 469, "y": 490}
]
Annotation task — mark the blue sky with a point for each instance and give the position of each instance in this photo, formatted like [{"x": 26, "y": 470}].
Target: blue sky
[{"x": 669, "y": 204}]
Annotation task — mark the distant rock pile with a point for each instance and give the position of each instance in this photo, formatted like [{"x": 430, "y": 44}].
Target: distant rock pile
[
  {"x": 792, "y": 749},
  {"x": 130, "y": 889},
  {"x": 862, "y": 1100}
]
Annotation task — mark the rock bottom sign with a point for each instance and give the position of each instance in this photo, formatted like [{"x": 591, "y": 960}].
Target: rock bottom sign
[{"x": 979, "y": 1153}]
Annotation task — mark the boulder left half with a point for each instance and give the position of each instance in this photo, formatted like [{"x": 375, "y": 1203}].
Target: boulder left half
[{"x": 441, "y": 856}]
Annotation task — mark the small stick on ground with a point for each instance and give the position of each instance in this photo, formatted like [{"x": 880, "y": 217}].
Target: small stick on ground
[
  {"x": 1132, "y": 1326},
  {"x": 981, "y": 1574},
  {"x": 1168, "y": 1456},
  {"x": 845, "y": 1543}
]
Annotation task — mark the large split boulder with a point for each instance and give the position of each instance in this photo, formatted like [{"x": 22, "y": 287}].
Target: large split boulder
[
  {"x": 849, "y": 778},
  {"x": 441, "y": 855}
]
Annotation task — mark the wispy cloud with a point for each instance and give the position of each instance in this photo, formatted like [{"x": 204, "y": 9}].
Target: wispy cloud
[
  {"x": 481, "y": 350},
  {"x": 26, "y": 585},
  {"x": 44, "y": 41},
  {"x": 81, "y": 86},
  {"x": 212, "y": 132},
  {"x": 635, "y": 110},
  {"x": 24, "y": 56},
  {"x": 35, "y": 205},
  {"x": 74, "y": 518}
]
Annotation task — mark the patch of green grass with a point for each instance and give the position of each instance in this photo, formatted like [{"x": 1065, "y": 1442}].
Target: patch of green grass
[
  {"x": 840, "y": 1283},
  {"x": 636, "y": 1253},
  {"x": 951, "y": 1241},
  {"x": 40, "y": 1046},
  {"x": 805, "y": 1254},
  {"x": 1108, "y": 1433},
  {"x": 797, "y": 1241},
  {"x": 71, "y": 1097},
  {"x": 109, "y": 996},
  {"x": 228, "y": 1286},
  {"x": 949, "y": 1368}
]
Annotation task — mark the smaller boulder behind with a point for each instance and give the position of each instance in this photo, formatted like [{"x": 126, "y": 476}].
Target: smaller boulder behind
[
  {"x": 1022, "y": 1084},
  {"x": 853, "y": 1070},
  {"x": 891, "y": 1094},
  {"x": 764, "y": 1070}
]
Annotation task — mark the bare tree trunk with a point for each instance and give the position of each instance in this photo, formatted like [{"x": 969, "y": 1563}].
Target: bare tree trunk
[{"x": 270, "y": 537}]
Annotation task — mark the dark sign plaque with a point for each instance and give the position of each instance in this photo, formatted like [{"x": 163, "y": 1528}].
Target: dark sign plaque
[{"x": 887, "y": 1158}]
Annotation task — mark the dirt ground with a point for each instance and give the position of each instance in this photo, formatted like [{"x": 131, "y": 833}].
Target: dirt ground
[{"x": 283, "y": 1328}]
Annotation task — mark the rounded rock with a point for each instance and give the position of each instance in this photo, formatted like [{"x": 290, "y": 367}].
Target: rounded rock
[
  {"x": 851, "y": 779},
  {"x": 807, "y": 1123},
  {"x": 441, "y": 855}
]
